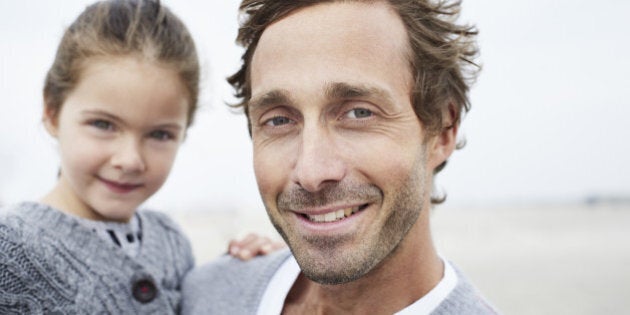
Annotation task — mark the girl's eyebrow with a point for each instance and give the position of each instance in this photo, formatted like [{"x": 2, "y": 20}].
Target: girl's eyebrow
[
  {"x": 98, "y": 112},
  {"x": 172, "y": 126},
  {"x": 101, "y": 113}
]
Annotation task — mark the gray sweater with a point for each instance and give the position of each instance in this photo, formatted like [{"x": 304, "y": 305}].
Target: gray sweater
[
  {"x": 230, "y": 286},
  {"x": 50, "y": 263}
]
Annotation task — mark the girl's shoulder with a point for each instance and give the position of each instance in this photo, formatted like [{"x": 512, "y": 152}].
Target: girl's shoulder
[
  {"x": 14, "y": 220},
  {"x": 28, "y": 226},
  {"x": 30, "y": 218},
  {"x": 20, "y": 257},
  {"x": 9, "y": 231}
]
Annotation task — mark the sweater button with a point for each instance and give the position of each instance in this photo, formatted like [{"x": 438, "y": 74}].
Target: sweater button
[{"x": 144, "y": 290}]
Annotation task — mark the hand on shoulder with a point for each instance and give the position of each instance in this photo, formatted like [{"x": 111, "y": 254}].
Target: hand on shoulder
[{"x": 253, "y": 245}]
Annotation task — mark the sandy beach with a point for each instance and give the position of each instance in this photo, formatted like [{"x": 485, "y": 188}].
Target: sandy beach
[{"x": 553, "y": 259}]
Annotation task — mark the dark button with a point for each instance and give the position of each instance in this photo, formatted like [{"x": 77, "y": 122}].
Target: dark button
[{"x": 144, "y": 290}]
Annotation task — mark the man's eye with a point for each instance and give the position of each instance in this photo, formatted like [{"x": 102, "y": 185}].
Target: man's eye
[
  {"x": 102, "y": 124},
  {"x": 278, "y": 121},
  {"x": 161, "y": 135},
  {"x": 359, "y": 113}
]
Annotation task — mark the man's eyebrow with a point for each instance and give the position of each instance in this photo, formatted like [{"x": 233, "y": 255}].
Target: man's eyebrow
[
  {"x": 332, "y": 91},
  {"x": 342, "y": 90},
  {"x": 273, "y": 97}
]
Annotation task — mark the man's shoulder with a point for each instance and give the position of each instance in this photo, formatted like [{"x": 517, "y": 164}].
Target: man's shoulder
[
  {"x": 235, "y": 271},
  {"x": 465, "y": 299},
  {"x": 228, "y": 285}
]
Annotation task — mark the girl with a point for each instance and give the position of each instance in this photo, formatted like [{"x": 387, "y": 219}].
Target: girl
[{"x": 119, "y": 97}]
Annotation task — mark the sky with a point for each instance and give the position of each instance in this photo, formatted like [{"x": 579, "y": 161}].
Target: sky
[{"x": 549, "y": 118}]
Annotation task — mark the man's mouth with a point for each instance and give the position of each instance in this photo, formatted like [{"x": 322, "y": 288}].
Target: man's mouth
[{"x": 333, "y": 216}]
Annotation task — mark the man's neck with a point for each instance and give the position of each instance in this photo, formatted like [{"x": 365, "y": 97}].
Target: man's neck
[{"x": 409, "y": 273}]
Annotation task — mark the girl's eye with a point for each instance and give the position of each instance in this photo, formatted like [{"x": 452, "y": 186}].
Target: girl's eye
[
  {"x": 102, "y": 124},
  {"x": 278, "y": 121},
  {"x": 161, "y": 135},
  {"x": 359, "y": 113}
]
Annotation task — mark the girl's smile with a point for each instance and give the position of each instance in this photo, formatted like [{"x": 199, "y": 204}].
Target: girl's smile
[
  {"x": 120, "y": 188},
  {"x": 119, "y": 131}
]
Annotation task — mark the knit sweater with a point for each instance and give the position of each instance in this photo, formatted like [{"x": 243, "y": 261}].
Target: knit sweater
[
  {"x": 50, "y": 263},
  {"x": 230, "y": 286}
]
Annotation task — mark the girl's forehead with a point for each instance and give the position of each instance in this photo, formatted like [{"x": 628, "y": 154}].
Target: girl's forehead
[
  {"x": 135, "y": 62},
  {"x": 123, "y": 86}
]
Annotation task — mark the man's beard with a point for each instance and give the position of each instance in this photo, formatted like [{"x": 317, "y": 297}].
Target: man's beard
[{"x": 344, "y": 258}]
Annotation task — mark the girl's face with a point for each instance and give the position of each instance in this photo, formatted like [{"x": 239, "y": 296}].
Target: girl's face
[{"x": 118, "y": 131}]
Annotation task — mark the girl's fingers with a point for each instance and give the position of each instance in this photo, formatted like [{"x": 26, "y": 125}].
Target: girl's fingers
[
  {"x": 276, "y": 245},
  {"x": 236, "y": 245},
  {"x": 255, "y": 247},
  {"x": 252, "y": 245}
]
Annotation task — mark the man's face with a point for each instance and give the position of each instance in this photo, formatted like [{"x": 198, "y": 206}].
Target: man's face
[{"x": 338, "y": 150}]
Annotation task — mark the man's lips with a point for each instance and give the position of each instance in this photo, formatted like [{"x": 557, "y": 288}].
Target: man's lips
[
  {"x": 327, "y": 216},
  {"x": 120, "y": 187}
]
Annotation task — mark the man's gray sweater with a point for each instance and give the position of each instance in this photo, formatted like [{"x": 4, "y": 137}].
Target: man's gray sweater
[{"x": 230, "y": 286}]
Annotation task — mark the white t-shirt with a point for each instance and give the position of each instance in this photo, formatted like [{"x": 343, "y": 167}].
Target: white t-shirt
[
  {"x": 127, "y": 236},
  {"x": 276, "y": 292}
]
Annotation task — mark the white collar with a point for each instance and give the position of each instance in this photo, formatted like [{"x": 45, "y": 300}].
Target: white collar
[
  {"x": 430, "y": 301},
  {"x": 278, "y": 288}
]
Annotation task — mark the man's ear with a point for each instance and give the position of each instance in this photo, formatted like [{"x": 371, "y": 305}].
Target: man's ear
[
  {"x": 50, "y": 120},
  {"x": 442, "y": 145}
]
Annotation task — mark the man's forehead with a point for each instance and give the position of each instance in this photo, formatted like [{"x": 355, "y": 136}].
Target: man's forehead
[
  {"x": 331, "y": 51},
  {"x": 329, "y": 27}
]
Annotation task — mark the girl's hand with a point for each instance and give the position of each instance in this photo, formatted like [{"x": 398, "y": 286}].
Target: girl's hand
[{"x": 253, "y": 245}]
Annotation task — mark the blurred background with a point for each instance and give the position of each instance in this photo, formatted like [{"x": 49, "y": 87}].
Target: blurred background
[{"x": 538, "y": 208}]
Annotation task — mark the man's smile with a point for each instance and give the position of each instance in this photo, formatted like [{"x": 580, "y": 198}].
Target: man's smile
[{"x": 336, "y": 215}]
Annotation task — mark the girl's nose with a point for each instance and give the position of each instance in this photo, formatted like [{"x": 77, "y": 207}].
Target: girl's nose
[{"x": 128, "y": 157}]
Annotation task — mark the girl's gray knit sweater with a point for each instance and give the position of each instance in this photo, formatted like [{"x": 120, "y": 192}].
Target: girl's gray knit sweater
[{"x": 50, "y": 263}]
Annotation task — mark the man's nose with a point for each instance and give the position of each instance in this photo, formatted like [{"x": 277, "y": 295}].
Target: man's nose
[
  {"x": 319, "y": 162},
  {"x": 128, "y": 156}
]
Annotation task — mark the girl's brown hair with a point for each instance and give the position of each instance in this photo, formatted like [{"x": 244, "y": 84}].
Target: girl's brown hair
[{"x": 122, "y": 28}]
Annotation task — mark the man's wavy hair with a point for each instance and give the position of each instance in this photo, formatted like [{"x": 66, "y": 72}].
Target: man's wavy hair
[{"x": 441, "y": 56}]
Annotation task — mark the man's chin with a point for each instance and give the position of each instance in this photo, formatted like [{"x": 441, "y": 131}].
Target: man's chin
[
  {"x": 328, "y": 260},
  {"x": 332, "y": 264},
  {"x": 330, "y": 278},
  {"x": 332, "y": 270}
]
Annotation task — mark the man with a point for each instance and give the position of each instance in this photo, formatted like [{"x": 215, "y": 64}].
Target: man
[{"x": 353, "y": 107}]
